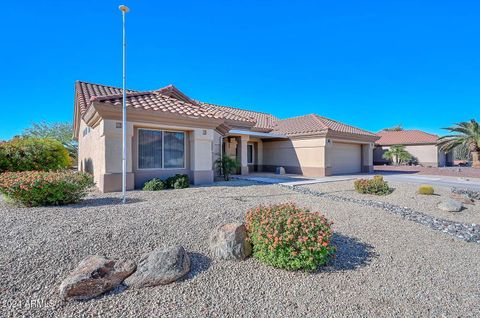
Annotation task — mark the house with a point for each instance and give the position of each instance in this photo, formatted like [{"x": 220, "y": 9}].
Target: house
[
  {"x": 168, "y": 132},
  {"x": 421, "y": 145}
]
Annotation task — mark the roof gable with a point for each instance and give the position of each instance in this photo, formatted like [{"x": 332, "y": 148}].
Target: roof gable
[{"x": 172, "y": 91}]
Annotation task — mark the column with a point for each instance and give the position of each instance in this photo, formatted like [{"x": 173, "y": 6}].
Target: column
[
  {"x": 367, "y": 157},
  {"x": 243, "y": 154}
]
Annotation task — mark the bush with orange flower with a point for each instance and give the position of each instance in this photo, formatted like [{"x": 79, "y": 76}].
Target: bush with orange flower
[
  {"x": 40, "y": 188},
  {"x": 289, "y": 237}
]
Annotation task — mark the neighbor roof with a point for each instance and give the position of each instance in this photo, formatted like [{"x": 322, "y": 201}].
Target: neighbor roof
[
  {"x": 405, "y": 137},
  {"x": 314, "y": 124}
]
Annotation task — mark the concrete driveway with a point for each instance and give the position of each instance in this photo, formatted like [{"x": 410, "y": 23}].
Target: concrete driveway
[{"x": 297, "y": 180}]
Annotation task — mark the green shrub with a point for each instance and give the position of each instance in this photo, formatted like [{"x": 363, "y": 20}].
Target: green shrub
[
  {"x": 28, "y": 154},
  {"x": 178, "y": 181},
  {"x": 154, "y": 185},
  {"x": 375, "y": 186},
  {"x": 41, "y": 188},
  {"x": 289, "y": 237},
  {"x": 426, "y": 189}
]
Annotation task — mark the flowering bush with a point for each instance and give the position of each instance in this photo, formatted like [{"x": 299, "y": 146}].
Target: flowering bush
[
  {"x": 26, "y": 154},
  {"x": 375, "y": 186},
  {"x": 289, "y": 237},
  {"x": 38, "y": 188}
]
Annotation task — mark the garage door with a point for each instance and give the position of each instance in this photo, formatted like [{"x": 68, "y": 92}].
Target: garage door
[{"x": 346, "y": 158}]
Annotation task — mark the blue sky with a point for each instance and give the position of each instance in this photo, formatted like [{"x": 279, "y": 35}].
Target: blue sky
[{"x": 371, "y": 64}]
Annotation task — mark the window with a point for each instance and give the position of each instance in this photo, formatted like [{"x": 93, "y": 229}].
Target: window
[
  {"x": 161, "y": 149},
  {"x": 250, "y": 154}
]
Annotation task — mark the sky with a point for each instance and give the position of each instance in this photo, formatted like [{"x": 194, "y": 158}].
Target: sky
[{"x": 370, "y": 64}]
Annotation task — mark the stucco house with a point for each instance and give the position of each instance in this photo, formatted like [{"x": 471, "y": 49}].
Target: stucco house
[
  {"x": 421, "y": 145},
  {"x": 168, "y": 132}
]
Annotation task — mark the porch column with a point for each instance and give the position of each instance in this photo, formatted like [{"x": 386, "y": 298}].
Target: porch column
[
  {"x": 260, "y": 155},
  {"x": 201, "y": 156},
  {"x": 243, "y": 154},
  {"x": 367, "y": 157},
  {"x": 231, "y": 147}
]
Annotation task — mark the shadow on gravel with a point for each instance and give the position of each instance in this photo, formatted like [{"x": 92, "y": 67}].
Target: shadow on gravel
[
  {"x": 198, "y": 263},
  {"x": 351, "y": 254},
  {"x": 95, "y": 202}
]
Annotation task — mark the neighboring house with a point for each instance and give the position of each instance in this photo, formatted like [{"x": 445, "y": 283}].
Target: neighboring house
[
  {"x": 169, "y": 133},
  {"x": 421, "y": 145}
]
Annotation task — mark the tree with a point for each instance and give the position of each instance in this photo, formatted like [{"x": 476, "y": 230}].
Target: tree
[
  {"x": 394, "y": 128},
  {"x": 226, "y": 166},
  {"x": 397, "y": 154},
  {"x": 61, "y": 131},
  {"x": 466, "y": 134}
]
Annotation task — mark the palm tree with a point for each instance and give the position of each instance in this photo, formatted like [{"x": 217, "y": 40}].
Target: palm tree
[
  {"x": 397, "y": 154},
  {"x": 467, "y": 134}
]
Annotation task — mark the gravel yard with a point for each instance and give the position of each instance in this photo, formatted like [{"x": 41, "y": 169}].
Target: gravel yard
[
  {"x": 385, "y": 265},
  {"x": 405, "y": 195}
]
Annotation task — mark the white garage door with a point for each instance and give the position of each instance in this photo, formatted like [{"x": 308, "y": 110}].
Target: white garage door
[{"x": 346, "y": 158}]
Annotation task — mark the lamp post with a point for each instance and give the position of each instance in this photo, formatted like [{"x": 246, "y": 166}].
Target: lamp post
[{"x": 124, "y": 10}]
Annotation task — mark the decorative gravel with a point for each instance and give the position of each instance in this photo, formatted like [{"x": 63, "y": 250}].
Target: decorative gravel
[
  {"x": 405, "y": 195},
  {"x": 385, "y": 265}
]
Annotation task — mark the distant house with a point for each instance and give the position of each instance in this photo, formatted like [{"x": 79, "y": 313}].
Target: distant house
[
  {"x": 169, "y": 132},
  {"x": 421, "y": 145}
]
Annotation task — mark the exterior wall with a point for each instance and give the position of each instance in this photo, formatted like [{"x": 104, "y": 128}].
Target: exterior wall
[
  {"x": 91, "y": 151},
  {"x": 427, "y": 155},
  {"x": 217, "y": 150},
  {"x": 298, "y": 156}
]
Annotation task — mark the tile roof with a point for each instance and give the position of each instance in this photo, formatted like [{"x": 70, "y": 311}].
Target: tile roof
[
  {"x": 148, "y": 100},
  {"x": 263, "y": 121},
  {"x": 405, "y": 137},
  {"x": 312, "y": 124},
  {"x": 157, "y": 102},
  {"x": 170, "y": 99}
]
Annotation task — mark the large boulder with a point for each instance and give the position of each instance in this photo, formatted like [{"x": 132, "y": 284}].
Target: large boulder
[
  {"x": 450, "y": 205},
  {"x": 229, "y": 242},
  {"x": 94, "y": 276},
  {"x": 465, "y": 199},
  {"x": 160, "y": 267}
]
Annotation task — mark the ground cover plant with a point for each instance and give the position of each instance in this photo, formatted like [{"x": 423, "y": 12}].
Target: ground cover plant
[
  {"x": 27, "y": 154},
  {"x": 426, "y": 189},
  {"x": 289, "y": 237},
  {"x": 43, "y": 188},
  {"x": 376, "y": 186}
]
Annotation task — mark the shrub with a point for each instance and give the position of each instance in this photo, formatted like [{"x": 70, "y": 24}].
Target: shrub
[
  {"x": 426, "y": 189},
  {"x": 289, "y": 237},
  {"x": 41, "y": 188},
  {"x": 226, "y": 166},
  {"x": 375, "y": 186},
  {"x": 26, "y": 154},
  {"x": 154, "y": 185},
  {"x": 178, "y": 181}
]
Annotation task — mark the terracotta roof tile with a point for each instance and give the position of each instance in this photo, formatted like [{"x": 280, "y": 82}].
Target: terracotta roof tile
[
  {"x": 405, "y": 137},
  {"x": 263, "y": 121},
  {"x": 313, "y": 124}
]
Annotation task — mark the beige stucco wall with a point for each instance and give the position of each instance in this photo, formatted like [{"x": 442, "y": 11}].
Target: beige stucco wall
[
  {"x": 91, "y": 151},
  {"x": 427, "y": 155}
]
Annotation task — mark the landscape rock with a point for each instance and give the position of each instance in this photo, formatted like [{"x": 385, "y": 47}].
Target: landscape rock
[
  {"x": 465, "y": 199},
  {"x": 450, "y": 205},
  {"x": 279, "y": 170},
  {"x": 229, "y": 242},
  {"x": 94, "y": 276},
  {"x": 471, "y": 194},
  {"x": 160, "y": 267}
]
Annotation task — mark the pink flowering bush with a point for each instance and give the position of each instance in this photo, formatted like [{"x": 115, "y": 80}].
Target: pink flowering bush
[
  {"x": 289, "y": 237},
  {"x": 40, "y": 188}
]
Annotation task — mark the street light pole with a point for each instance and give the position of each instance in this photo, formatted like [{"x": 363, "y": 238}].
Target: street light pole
[{"x": 124, "y": 10}]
